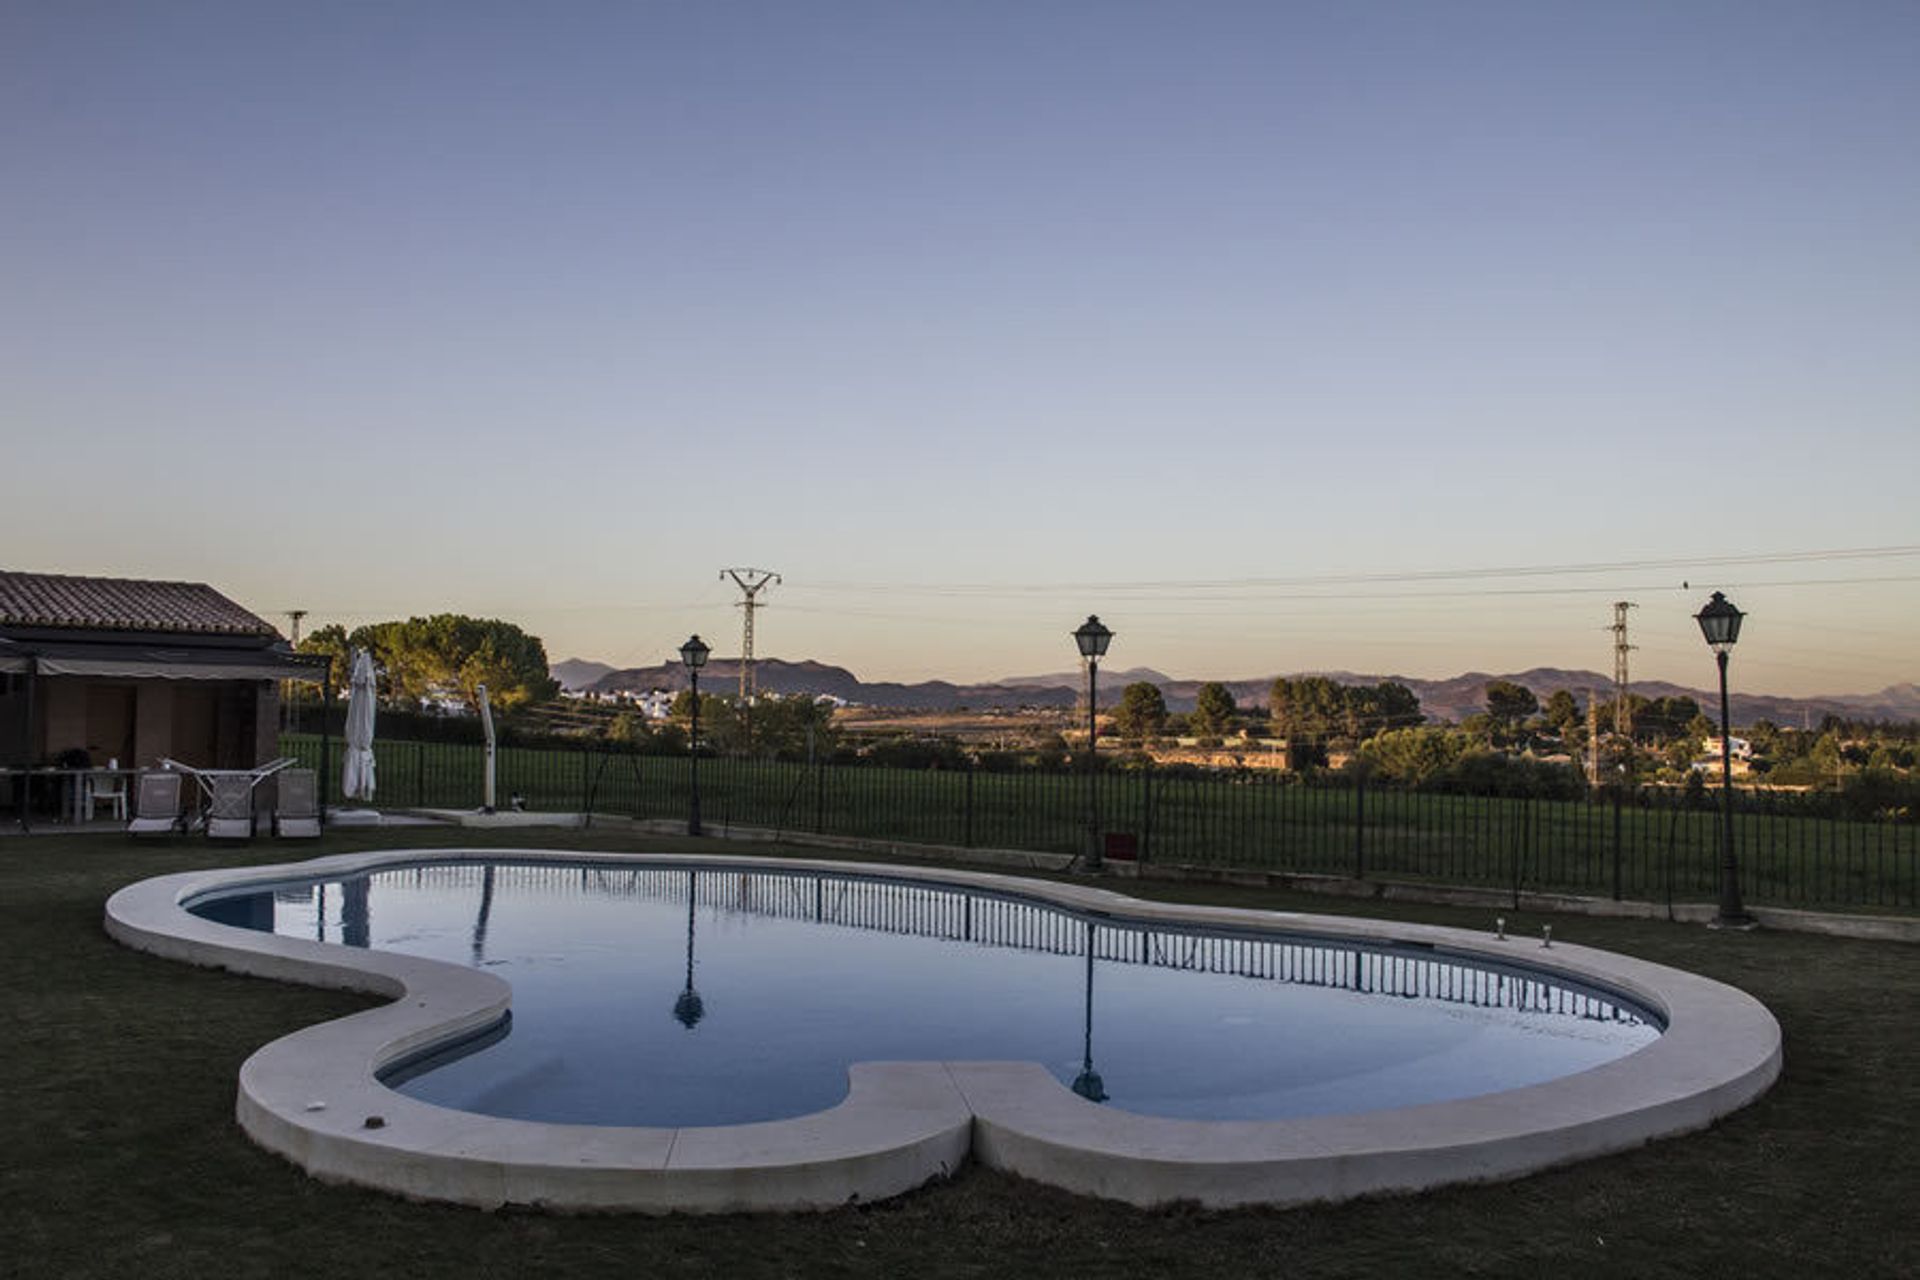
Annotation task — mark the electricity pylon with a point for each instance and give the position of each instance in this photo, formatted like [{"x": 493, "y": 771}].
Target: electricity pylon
[
  {"x": 750, "y": 582},
  {"x": 1622, "y": 709}
]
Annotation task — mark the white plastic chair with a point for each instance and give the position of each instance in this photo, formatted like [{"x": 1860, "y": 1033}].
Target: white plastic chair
[{"x": 108, "y": 788}]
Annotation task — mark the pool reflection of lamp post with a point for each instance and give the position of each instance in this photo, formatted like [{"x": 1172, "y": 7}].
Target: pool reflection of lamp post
[
  {"x": 1093, "y": 639},
  {"x": 1088, "y": 1083},
  {"x": 1720, "y": 624},
  {"x": 694, "y": 653},
  {"x": 689, "y": 1008},
  {"x": 481, "y": 919},
  {"x": 356, "y": 911}
]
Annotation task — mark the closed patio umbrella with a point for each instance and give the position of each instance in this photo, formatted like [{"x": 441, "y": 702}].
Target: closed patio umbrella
[{"x": 356, "y": 772}]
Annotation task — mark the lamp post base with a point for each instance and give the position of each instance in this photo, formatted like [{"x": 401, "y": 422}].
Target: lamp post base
[{"x": 1742, "y": 923}]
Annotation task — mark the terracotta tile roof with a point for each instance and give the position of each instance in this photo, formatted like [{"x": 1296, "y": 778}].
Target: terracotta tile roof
[{"x": 121, "y": 604}]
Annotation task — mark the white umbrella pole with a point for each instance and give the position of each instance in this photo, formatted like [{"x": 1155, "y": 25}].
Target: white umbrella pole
[{"x": 486, "y": 725}]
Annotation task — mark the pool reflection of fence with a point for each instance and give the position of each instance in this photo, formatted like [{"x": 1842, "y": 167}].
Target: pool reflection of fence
[{"x": 987, "y": 920}]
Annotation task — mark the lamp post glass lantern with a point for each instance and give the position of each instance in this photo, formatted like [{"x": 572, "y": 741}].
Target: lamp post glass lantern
[
  {"x": 694, "y": 653},
  {"x": 1093, "y": 637},
  {"x": 1720, "y": 625}
]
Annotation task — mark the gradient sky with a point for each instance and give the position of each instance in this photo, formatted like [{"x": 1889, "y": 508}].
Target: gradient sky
[{"x": 973, "y": 318}]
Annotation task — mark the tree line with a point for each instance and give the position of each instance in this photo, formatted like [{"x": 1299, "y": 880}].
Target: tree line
[{"x": 447, "y": 656}]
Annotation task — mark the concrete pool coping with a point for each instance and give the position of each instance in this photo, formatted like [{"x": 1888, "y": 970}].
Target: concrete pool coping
[{"x": 313, "y": 1096}]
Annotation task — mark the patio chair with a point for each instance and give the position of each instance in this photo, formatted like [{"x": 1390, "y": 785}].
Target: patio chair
[
  {"x": 229, "y": 806},
  {"x": 296, "y": 811},
  {"x": 156, "y": 804},
  {"x": 109, "y": 787}
]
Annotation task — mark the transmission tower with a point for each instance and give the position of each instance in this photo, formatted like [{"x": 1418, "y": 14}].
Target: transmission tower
[
  {"x": 1622, "y": 710},
  {"x": 1593, "y": 738},
  {"x": 750, "y": 582}
]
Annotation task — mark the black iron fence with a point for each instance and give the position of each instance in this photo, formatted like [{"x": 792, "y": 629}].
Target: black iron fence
[{"x": 1652, "y": 844}]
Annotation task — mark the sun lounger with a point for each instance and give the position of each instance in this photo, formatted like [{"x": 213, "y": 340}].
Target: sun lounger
[
  {"x": 156, "y": 804},
  {"x": 229, "y": 806},
  {"x": 227, "y": 795},
  {"x": 296, "y": 811}
]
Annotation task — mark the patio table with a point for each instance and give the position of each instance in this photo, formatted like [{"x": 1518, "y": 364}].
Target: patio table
[{"x": 76, "y": 791}]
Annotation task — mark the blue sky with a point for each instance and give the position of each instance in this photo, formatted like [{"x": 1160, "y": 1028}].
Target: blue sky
[{"x": 973, "y": 319}]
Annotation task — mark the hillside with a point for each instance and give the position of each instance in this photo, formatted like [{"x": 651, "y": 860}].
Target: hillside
[
  {"x": 772, "y": 675},
  {"x": 1450, "y": 699},
  {"x": 575, "y": 674}
]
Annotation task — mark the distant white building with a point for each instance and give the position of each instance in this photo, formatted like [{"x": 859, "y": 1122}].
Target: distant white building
[
  {"x": 1741, "y": 748},
  {"x": 654, "y": 704}
]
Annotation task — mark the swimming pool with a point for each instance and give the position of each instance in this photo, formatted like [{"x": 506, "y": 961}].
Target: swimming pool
[
  {"x": 321, "y": 1096},
  {"x": 708, "y": 995}
]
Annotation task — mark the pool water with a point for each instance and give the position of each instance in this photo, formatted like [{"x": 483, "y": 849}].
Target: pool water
[{"x": 706, "y": 996}]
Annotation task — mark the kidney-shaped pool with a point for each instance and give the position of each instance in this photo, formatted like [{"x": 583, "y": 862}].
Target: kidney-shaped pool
[
  {"x": 703, "y": 996},
  {"x": 668, "y": 1032}
]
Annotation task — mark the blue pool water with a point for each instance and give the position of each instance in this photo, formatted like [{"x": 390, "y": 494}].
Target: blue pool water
[{"x": 702, "y": 995}]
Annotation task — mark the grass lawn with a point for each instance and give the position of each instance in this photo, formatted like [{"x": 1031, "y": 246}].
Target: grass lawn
[{"x": 123, "y": 1159}]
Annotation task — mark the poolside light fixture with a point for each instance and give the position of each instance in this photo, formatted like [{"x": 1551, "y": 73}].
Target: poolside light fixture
[
  {"x": 1720, "y": 624},
  {"x": 694, "y": 653},
  {"x": 1093, "y": 637}
]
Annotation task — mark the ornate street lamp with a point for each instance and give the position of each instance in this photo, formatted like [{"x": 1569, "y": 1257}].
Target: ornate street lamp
[
  {"x": 689, "y": 1008},
  {"x": 694, "y": 653},
  {"x": 1720, "y": 624},
  {"x": 1093, "y": 638}
]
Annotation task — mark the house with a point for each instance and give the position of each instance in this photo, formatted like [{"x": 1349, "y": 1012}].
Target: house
[
  {"x": 132, "y": 670},
  {"x": 655, "y": 704},
  {"x": 1738, "y": 748}
]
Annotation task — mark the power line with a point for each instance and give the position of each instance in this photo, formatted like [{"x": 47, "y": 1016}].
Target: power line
[{"x": 1420, "y": 575}]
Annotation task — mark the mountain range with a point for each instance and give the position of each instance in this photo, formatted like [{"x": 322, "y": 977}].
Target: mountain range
[{"x": 1451, "y": 699}]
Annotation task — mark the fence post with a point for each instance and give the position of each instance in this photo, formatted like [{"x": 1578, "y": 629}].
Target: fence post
[
  {"x": 1519, "y": 836},
  {"x": 1360, "y": 825},
  {"x": 1146, "y": 811},
  {"x": 420, "y": 774},
  {"x": 819, "y": 798},
  {"x": 1616, "y": 844},
  {"x": 586, "y": 785},
  {"x": 969, "y": 839}
]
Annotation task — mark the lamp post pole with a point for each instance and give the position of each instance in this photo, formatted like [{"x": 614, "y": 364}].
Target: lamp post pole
[
  {"x": 694, "y": 653},
  {"x": 1093, "y": 637},
  {"x": 1720, "y": 624},
  {"x": 693, "y": 760},
  {"x": 1096, "y": 856}
]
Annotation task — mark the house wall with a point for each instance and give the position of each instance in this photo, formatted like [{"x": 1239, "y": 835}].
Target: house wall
[
  {"x": 63, "y": 714},
  {"x": 266, "y": 721},
  {"x": 152, "y": 722},
  {"x": 15, "y": 733},
  {"x": 216, "y": 724},
  {"x": 110, "y": 712}
]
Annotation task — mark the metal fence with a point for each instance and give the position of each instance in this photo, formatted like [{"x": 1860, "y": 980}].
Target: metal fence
[{"x": 1652, "y": 844}]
